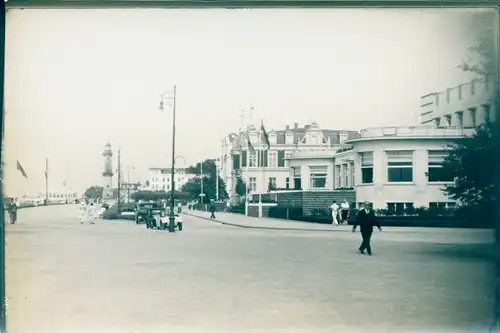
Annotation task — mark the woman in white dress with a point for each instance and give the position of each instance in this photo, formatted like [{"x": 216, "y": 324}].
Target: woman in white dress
[
  {"x": 335, "y": 213},
  {"x": 91, "y": 213},
  {"x": 81, "y": 212}
]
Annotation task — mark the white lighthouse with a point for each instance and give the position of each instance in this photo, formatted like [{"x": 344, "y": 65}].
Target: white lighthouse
[{"x": 107, "y": 174}]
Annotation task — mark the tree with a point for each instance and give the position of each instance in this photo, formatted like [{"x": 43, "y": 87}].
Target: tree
[
  {"x": 241, "y": 186},
  {"x": 472, "y": 162},
  {"x": 93, "y": 192},
  {"x": 193, "y": 186}
]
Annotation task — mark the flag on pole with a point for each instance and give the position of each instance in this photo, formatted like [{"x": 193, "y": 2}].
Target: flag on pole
[
  {"x": 265, "y": 135},
  {"x": 250, "y": 146},
  {"x": 20, "y": 168}
]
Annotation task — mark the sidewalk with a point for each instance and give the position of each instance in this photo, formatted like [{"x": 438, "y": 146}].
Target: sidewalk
[{"x": 242, "y": 221}]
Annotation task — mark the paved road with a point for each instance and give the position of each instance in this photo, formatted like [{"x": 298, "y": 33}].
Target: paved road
[{"x": 118, "y": 277}]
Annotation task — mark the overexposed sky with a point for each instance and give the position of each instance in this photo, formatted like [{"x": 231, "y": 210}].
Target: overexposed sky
[{"x": 76, "y": 79}]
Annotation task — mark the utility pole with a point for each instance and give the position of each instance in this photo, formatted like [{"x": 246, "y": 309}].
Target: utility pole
[
  {"x": 171, "y": 225},
  {"x": 202, "y": 194},
  {"x": 118, "y": 202},
  {"x": 128, "y": 184},
  {"x": 217, "y": 180},
  {"x": 46, "y": 181}
]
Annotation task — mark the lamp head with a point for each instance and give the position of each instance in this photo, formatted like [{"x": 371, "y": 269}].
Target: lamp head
[{"x": 161, "y": 108}]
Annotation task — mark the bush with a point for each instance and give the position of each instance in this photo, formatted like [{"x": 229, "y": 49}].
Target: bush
[{"x": 238, "y": 209}]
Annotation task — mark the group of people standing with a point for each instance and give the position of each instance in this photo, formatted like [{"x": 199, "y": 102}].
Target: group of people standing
[
  {"x": 88, "y": 212},
  {"x": 340, "y": 214}
]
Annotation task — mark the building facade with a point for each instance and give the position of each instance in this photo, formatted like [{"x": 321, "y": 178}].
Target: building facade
[
  {"x": 160, "y": 179},
  {"x": 263, "y": 169},
  {"x": 466, "y": 105},
  {"x": 400, "y": 167}
]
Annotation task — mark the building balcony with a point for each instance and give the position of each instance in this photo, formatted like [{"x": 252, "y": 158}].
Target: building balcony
[{"x": 413, "y": 132}]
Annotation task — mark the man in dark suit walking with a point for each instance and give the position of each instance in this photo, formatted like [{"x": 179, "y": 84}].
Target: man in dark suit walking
[{"x": 366, "y": 220}]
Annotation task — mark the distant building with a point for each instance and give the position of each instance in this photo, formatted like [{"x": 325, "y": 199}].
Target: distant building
[
  {"x": 466, "y": 105},
  {"x": 160, "y": 179},
  {"x": 272, "y": 168},
  {"x": 396, "y": 167}
]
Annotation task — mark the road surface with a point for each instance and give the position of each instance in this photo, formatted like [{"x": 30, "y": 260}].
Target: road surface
[{"x": 116, "y": 276}]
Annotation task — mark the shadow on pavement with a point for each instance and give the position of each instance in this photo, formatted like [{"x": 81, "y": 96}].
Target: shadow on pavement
[{"x": 477, "y": 251}]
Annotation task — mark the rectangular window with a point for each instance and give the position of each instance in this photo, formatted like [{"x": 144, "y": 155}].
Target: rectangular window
[
  {"x": 272, "y": 159},
  {"x": 297, "y": 183},
  {"x": 287, "y": 183},
  {"x": 297, "y": 179},
  {"x": 244, "y": 158},
  {"x": 346, "y": 175},
  {"x": 236, "y": 162},
  {"x": 399, "y": 166},
  {"x": 262, "y": 160},
  {"x": 252, "y": 184},
  {"x": 447, "y": 120},
  {"x": 281, "y": 158},
  {"x": 442, "y": 205},
  {"x": 435, "y": 171},
  {"x": 399, "y": 208},
  {"x": 338, "y": 176},
  {"x": 352, "y": 175},
  {"x": 460, "y": 119},
  {"x": 252, "y": 159},
  {"x": 473, "y": 116},
  {"x": 272, "y": 183},
  {"x": 318, "y": 176},
  {"x": 366, "y": 167}
]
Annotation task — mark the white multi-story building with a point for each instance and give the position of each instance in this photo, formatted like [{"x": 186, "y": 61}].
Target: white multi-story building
[
  {"x": 391, "y": 167},
  {"x": 160, "y": 179},
  {"x": 466, "y": 105},
  {"x": 265, "y": 167}
]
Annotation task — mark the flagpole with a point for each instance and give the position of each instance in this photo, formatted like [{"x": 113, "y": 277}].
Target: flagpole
[{"x": 46, "y": 181}]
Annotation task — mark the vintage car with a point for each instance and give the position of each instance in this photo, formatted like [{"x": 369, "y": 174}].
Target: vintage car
[
  {"x": 143, "y": 209},
  {"x": 159, "y": 219}
]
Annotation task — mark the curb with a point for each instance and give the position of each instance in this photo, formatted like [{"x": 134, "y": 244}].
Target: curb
[{"x": 262, "y": 228}]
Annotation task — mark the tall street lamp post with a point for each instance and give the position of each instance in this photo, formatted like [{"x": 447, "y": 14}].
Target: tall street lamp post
[{"x": 171, "y": 96}]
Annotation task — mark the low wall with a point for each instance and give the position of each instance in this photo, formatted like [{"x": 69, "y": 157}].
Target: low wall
[
  {"x": 253, "y": 209},
  {"x": 308, "y": 200}
]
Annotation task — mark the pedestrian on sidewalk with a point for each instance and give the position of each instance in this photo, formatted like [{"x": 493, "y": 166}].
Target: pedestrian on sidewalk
[
  {"x": 344, "y": 212},
  {"x": 335, "y": 213},
  {"x": 91, "y": 213},
  {"x": 212, "y": 210},
  {"x": 82, "y": 210},
  {"x": 366, "y": 220}
]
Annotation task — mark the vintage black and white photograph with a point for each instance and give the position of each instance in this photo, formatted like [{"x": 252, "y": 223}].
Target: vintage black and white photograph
[{"x": 250, "y": 170}]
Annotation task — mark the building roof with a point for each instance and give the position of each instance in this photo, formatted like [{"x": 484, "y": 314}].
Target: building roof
[{"x": 299, "y": 132}]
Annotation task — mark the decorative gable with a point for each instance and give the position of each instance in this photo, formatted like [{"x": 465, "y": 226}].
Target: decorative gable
[{"x": 314, "y": 136}]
